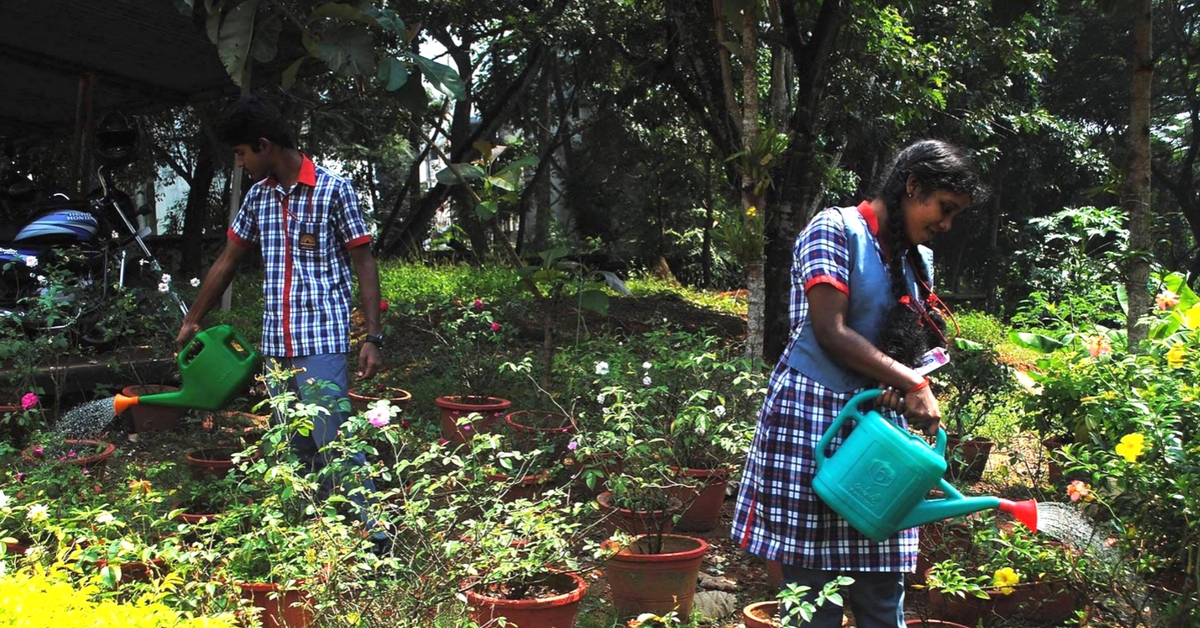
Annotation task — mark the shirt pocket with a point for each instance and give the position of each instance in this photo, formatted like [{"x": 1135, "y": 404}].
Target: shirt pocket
[{"x": 309, "y": 242}]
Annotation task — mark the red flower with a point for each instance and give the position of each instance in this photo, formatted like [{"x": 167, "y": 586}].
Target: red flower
[
  {"x": 442, "y": 442},
  {"x": 495, "y": 326},
  {"x": 383, "y": 306},
  {"x": 478, "y": 304}
]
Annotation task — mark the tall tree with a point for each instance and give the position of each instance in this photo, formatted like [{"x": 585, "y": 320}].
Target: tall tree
[{"x": 1136, "y": 197}]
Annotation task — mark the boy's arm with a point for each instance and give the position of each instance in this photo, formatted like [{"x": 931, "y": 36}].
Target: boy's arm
[{"x": 370, "y": 358}]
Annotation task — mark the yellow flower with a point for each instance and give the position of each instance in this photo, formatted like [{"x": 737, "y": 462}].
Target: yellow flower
[
  {"x": 751, "y": 211},
  {"x": 1191, "y": 318},
  {"x": 1175, "y": 356},
  {"x": 1004, "y": 579},
  {"x": 1131, "y": 446}
]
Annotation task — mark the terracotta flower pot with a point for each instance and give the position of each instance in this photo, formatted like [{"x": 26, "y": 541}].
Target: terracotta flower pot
[
  {"x": 655, "y": 583},
  {"x": 281, "y": 608},
  {"x": 151, "y": 418},
  {"x": 362, "y": 401},
  {"x": 211, "y": 462},
  {"x": 761, "y": 615},
  {"x": 556, "y": 611},
  {"x": 454, "y": 407},
  {"x": 703, "y": 505},
  {"x": 1049, "y": 601},
  {"x": 971, "y": 459},
  {"x": 93, "y": 462},
  {"x": 534, "y": 428},
  {"x": 634, "y": 522},
  {"x": 138, "y": 571}
]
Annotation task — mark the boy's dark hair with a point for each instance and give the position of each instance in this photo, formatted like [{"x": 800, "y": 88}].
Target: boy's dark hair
[
  {"x": 913, "y": 328},
  {"x": 251, "y": 117}
]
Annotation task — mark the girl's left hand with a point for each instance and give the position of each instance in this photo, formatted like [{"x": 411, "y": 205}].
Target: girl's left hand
[{"x": 891, "y": 398}]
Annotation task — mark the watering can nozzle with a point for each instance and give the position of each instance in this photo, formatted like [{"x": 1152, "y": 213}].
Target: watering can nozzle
[
  {"x": 121, "y": 403},
  {"x": 1025, "y": 511}
]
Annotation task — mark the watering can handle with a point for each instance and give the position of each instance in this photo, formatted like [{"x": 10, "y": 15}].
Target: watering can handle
[{"x": 854, "y": 410}]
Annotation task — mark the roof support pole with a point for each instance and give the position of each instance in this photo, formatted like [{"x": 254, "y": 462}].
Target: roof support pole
[
  {"x": 235, "y": 187},
  {"x": 84, "y": 119}
]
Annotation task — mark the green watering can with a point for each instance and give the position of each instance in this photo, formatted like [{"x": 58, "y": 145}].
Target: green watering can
[
  {"x": 214, "y": 367},
  {"x": 877, "y": 480}
]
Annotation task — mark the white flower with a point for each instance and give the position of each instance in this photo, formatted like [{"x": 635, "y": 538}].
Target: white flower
[
  {"x": 195, "y": 282},
  {"x": 605, "y": 410},
  {"x": 162, "y": 287},
  {"x": 166, "y": 278},
  {"x": 719, "y": 411},
  {"x": 646, "y": 380},
  {"x": 381, "y": 413},
  {"x": 143, "y": 262},
  {"x": 602, "y": 368},
  {"x": 31, "y": 261},
  {"x": 600, "y": 398},
  {"x": 115, "y": 235},
  {"x": 41, "y": 279},
  {"x": 646, "y": 365},
  {"x": 104, "y": 518},
  {"x": 3, "y": 499},
  {"x": 700, "y": 430},
  {"x": 38, "y": 512}
]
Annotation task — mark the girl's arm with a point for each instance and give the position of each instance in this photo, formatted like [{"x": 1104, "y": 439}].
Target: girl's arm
[{"x": 827, "y": 312}]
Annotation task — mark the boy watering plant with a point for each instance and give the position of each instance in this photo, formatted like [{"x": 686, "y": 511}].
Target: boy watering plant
[{"x": 308, "y": 225}]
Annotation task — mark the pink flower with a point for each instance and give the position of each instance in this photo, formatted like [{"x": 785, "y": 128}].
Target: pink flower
[
  {"x": 1166, "y": 300},
  {"x": 1098, "y": 346},
  {"x": 28, "y": 401},
  {"x": 478, "y": 304},
  {"x": 572, "y": 445},
  {"x": 1078, "y": 490},
  {"x": 443, "y": 442},
  {"x": 71, "y": 454},
  {"x": 495, "y": 326},
  {"x": 383, "y": 306},
  {"x": 19, "y": 476},
  {"x": 466, "y": 428},
  {"x": 85, "y": 471},
  {"x": 38, "y": 451},
  {"x": 404, "y": 423}
]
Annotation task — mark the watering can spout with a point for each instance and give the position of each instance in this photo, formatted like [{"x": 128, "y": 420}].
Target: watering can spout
[
  {"x": 121, "y": 403},
  {"x": 1024, "y": 511},
  {"x": 956, "y": 505}
]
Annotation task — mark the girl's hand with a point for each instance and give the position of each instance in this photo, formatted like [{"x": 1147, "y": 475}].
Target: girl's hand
[
  {"x": 922, "y": 411},
  {"x": 891, "y": 398}
]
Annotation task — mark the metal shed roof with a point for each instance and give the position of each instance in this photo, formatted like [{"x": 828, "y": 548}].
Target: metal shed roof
[{"x": 143, "y": 53}]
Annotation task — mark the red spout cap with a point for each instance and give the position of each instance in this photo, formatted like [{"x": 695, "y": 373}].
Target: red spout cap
[{"x": 1026, "y": 512}]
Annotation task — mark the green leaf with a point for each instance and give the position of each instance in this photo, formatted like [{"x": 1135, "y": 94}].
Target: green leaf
[
  {"x": 1036, "y": 342},
  {"x": 615, "y": 282},
  {"x": 468, "y": 172},
  {"x": 443, "y": 77},
  {"x": 212, "y": 21},
  {"x": 289, "y": 75},
  {"x": 234, "y": 39},
  {"x": 486, "y": 210},
  {"x": 266, "y": 38},
  {"x": 518, "y": 165},
  {"x": 594, "y": 300},
  {"x": 963, "y": 344},
  {"x": 340, "y": 11},
  {"x": 390, "y": 21},
  {"x": 349, "y": 50},
  {"x": 412, "y": 95},
  {"x": 392, "y": 73},
  {"x": 111, "y": 575}
]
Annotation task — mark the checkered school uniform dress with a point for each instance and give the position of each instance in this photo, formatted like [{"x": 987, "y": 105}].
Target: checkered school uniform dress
[
  {"x": 778, "y": 516},
  {"x": 305, "y": 234}
]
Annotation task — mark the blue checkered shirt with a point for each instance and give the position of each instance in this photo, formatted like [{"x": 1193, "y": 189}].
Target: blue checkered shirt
[{"x": 305, "y": 234}]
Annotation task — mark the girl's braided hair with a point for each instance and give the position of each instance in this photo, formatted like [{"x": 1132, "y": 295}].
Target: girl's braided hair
[{"x": 935, "y": 165}]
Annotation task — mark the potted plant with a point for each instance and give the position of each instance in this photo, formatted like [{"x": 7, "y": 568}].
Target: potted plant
[
  {"x": 18, "y": 420},
  {"x": 1007, "y": 571},
  {"x": 151, "y": 418},
  {"x": 366, "y": 394},
  {"x": 973, "y": 386},
  {"x": 522, "y": 566},
  {"x": 90, "y": 455},
  {"x": 790, "y": 608},
  {"x": 654, "y": 573},
  {"x": 471, "y": 341}
]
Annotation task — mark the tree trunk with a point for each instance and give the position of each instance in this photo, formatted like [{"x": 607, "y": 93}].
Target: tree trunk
[
  {"x": 195, "y": 213},
  {"x": 756, "y": 303},
  {"x": 1137, "y": 180}
]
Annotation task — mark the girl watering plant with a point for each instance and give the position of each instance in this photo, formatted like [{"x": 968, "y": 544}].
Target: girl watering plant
[{"x": 863, "y": 315}]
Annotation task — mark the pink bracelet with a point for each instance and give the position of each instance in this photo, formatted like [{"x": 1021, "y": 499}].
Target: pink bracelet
[{"x": 924, "y": 384}]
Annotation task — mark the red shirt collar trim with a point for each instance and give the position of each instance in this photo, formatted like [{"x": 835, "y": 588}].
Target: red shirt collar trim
[
  {"x": 307, "y": 176},
  {"x": 868, "y": 214}
]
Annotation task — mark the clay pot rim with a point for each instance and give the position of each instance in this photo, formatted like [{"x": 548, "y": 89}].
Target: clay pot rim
[
  {"x": 109, "y": 450},
  {"x": 664, "y": 557},
  {"x": 607, "y": 504},
  {"x": 402, "y": 398},
  {"x": 566, "y": 429},
  {"x": 493, "y": 403},
  {"x": 562, "y": 599},
  {"x": 267, "y": 587}
]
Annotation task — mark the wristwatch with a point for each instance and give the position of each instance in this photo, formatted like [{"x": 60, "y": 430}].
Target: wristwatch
[{"x": 375, "y": 339}]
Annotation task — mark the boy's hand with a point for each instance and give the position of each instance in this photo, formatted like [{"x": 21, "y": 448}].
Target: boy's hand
[{"x": 369, "y": 360}]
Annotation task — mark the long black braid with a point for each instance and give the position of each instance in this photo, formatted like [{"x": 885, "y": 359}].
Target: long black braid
[{"x": 935, "y": 165}]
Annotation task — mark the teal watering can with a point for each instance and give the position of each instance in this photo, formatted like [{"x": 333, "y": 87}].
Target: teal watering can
[{"x": 879, "y": 477}]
